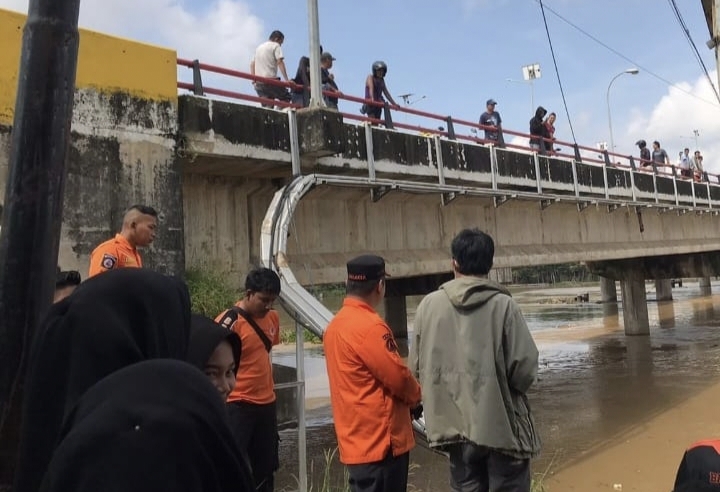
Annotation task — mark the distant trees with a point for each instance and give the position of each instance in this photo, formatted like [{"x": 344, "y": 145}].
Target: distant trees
[{"x": 552, "y": 274}]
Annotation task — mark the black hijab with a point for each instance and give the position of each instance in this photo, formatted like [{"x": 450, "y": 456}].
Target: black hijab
[
  {"x": 112, "y": 320},
  {"x": 156, "y": 425},
  {"x": 205, "y": 336}
]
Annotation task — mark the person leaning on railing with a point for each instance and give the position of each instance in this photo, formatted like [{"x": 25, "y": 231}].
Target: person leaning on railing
[{"x": 268, "y": 59}]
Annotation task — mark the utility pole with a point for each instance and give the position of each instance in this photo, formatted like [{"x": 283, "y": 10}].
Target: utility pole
[
  {"x": 30, "y": 236},
  {"x": 316, "y": 99}
]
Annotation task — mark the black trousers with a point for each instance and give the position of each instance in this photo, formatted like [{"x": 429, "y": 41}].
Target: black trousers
[
  {"x": 476, "y": 468},
  {"x": 388, "y": 475},
  {"x": 254, "y": 428}
]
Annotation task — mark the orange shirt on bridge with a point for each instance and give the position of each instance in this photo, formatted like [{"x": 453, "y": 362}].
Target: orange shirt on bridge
[
  {"x": 114, "y": 253},
  {"x": 371, "y": 389},
  {"x": 254, "y": 382}
]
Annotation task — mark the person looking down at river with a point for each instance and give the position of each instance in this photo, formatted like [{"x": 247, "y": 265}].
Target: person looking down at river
[
  {"x": 476, "y": 359},
  {"x": 371, "y": 389}
]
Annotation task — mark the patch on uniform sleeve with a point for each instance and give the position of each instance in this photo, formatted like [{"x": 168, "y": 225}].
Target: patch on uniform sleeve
[
  {"x": 390, "y": 342},
  {"x": 228, "y": 320},
  {"x": 108, "y": 261}
]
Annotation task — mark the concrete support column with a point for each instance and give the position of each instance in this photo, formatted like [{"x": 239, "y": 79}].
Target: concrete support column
[
  {"x": 635, "y": 312},
  {"x": 396, "y": 315},
  {"x": 608, "y": 291},
  {"x": 663, "y": 289},
  {"x": 705, "y": 286}
]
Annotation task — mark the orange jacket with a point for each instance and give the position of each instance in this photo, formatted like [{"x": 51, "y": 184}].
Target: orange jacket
[
  {"x": 371, "y": 389},
  {"x": 114, "y": 253},
  {"x": 254, "y": 382}
]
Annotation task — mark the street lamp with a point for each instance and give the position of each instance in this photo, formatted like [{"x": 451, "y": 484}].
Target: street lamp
[
  {"x": 631, "y": 71},
  {"x": 530, "y": 73}
]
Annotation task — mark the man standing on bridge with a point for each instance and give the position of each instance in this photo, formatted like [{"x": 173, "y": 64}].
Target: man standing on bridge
[
  {"x": 476, "y": 360},
  {"x": 268, "y": 59},
  {"x": 371, "y": 390},
  {"x": 138, "y": 231}
]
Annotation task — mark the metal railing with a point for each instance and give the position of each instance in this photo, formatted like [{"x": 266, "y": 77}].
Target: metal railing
[{"x": 579, "y": 154}]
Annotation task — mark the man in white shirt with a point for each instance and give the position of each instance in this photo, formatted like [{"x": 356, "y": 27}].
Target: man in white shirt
[
  {"x": 685, "y": 163},
  {"x": 268, "y": 59}
]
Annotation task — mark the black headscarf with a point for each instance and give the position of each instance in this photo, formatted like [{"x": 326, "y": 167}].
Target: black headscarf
[
  {"x": 111, "y": 321},
  {"x": 205, "y": 336},
  {"x": 156, "y": 425}
]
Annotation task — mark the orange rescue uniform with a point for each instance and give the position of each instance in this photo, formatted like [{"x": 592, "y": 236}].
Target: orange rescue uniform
[
  {"x": 254, "y": 383},
  {"x": 114, "y": 253},
  {"x": 371, "y": 389}
]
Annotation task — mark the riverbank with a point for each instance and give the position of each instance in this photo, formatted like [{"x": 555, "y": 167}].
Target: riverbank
[{"x": 646, "y": 457}]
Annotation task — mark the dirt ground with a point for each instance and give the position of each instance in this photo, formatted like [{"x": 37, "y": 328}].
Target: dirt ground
[{"x": 646, "y": 458}]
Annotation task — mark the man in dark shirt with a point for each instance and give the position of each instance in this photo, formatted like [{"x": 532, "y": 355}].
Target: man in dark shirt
[
  {"x": 492, "y": 122},
  {"x": 328, "y": 80}
]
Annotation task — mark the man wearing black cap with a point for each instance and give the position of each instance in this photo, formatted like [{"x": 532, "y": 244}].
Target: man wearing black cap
[
  {"x": 328, "y": 80},
  {"x": 492, "y": 122},
  {"x": 371, "y": 389}
]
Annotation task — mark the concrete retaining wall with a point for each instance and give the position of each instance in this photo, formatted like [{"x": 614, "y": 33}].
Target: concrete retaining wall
[{"x": 123, "y": 142}]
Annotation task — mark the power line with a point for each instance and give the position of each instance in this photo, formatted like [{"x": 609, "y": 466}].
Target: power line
[
  {"x": 557, "y": 73},
  {"x": 695, "y": 51},
  {"x": 613, "y": 50}
]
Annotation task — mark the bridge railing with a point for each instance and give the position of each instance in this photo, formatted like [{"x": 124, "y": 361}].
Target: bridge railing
[{"x": 445, "y": 126}]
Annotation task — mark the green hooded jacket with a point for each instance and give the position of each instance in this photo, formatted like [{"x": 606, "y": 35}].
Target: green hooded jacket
[{"x": 475, "y": 359}]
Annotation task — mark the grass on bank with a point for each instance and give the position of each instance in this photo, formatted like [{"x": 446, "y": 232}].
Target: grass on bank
[{"x": 211, "y": 294}]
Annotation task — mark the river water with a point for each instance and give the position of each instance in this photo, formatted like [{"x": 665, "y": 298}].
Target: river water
[{"x": 594, "y": 383}]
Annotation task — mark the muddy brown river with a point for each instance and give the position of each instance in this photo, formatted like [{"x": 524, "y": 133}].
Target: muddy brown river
[{"x": 594, "y": 383}]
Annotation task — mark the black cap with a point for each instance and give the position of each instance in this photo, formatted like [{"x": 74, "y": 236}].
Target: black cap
[{"x": 366, "y": 267}]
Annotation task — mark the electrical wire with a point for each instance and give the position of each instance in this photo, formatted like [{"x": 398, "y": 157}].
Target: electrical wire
[
  {"x": 616, "y": 52},
  {"x": 557, "y": 73},
  {"x": 693, "y": 47}
]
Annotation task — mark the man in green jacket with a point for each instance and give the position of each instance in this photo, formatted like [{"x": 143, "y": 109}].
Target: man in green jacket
[{"x": 475, "y": 359}]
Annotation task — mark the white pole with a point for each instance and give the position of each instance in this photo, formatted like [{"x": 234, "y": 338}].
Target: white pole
[{"x": 316, "y": 99}]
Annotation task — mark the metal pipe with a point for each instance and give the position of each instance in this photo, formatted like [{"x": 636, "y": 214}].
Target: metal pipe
[
  {"x": 31, "y": 223},
  {"x": 316, "y": 99}
]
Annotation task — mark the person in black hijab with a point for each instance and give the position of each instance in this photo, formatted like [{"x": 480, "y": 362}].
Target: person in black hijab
[
  {"x": 111, "y": 321},
  {"x": 215, "y": 351},
  {"x": 156, "y": 425}
]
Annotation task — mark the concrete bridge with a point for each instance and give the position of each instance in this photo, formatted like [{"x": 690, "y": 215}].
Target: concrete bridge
[{"x": 212, "y": 167}]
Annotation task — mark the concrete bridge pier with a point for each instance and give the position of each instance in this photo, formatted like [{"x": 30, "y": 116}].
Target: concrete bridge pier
[
  {"x": 396, "y": 315},
  {"x": 635, "y": 311},
  {"x": 663, "y": 289},
  {"x": 705, "y": 286},
  {"x": 608, "y": 290}
]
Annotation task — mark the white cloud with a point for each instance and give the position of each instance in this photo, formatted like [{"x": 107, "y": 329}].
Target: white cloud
[
  {"x": 673, "y": 119},
  {"x": 222, "y": 32}
]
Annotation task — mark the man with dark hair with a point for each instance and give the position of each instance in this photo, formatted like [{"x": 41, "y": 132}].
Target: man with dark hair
[
  {"x": 65, "y": 283},
  {"x": 268, "y": 59},
  {"x": 251, "y": 405},
  {"x": 371, "y": 390},
  {"x": 138, "y": 231},
  {"x": 476, "y": 360}
]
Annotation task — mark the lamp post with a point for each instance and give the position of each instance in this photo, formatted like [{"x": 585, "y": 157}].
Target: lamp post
[
  {"x": 631, "y": 71},
  {"x": 316, "y": 99},
  {"x": 530, "y": 73}
]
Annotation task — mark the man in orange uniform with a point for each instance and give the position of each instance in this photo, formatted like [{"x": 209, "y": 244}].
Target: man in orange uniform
[
  {"x": 251, "y": 405},
  {"x": 138, "y": 230},
  {"x": 371, "y": 389}
]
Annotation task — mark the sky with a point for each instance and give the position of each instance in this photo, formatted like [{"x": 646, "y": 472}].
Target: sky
[{"x": 454, "y": 55}]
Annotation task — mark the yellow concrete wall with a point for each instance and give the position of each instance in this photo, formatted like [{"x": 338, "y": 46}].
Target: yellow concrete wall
[{"x": 106, "y": 63}]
